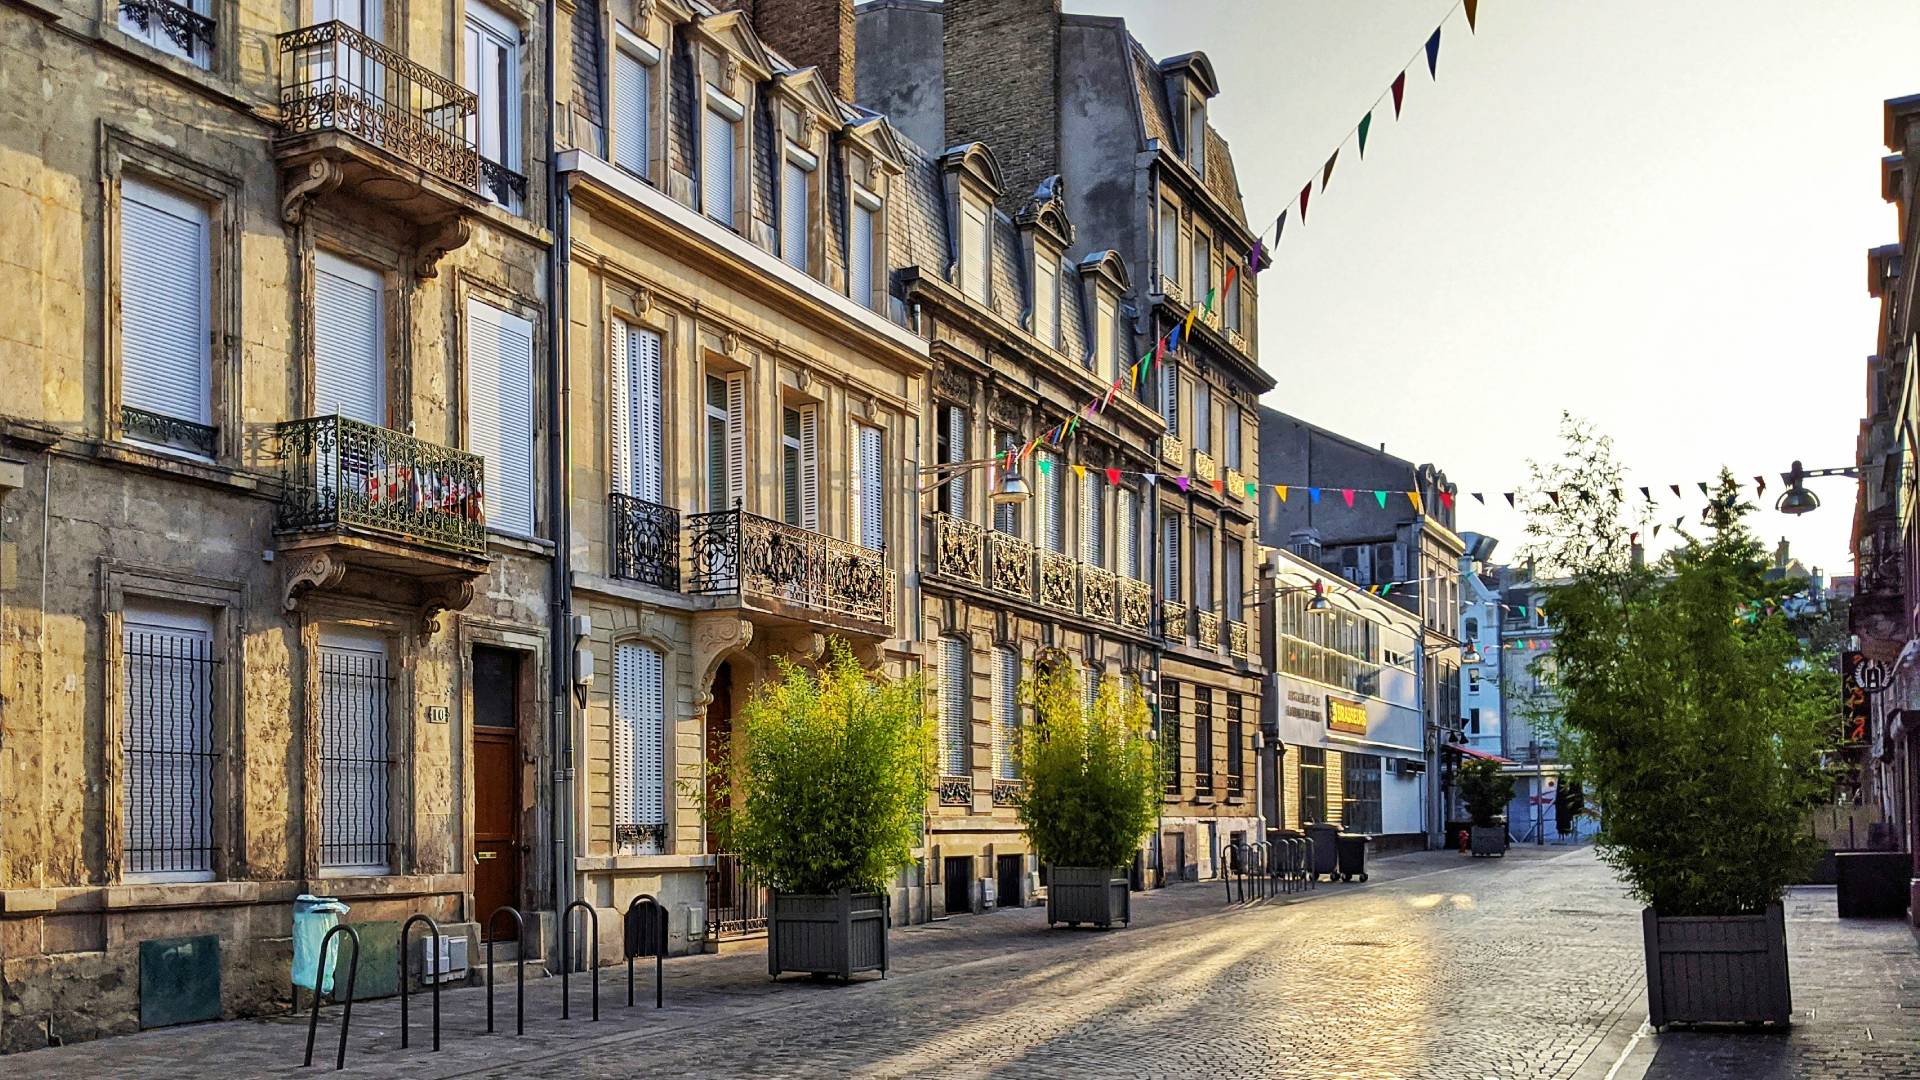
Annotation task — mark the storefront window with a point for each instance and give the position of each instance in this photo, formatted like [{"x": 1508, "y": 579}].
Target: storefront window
[
  {"x": 1313, "y": 785},
  {"x": 1360, "y": 792}
]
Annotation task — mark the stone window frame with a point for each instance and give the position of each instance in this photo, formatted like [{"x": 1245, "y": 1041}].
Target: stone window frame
[
  {"x": 804, "y": 117},
  {"x": 469, "y": 285},
  {"x": 223, "y": 61},
  {"x": 649, "y": 37},
  {"x": 1103, "y": 277},
  {"x": 635, "y": 302},
  {"x": 729, "y": 66},
  {"x": 323, "y": 232},
  {"x": 122, "y": 153},
  {"x": 971, "y": 177},
  {"x": 227, "y": 599},
  {"x": 651, "y": 632},
  {"x": 872, "y": 156}
]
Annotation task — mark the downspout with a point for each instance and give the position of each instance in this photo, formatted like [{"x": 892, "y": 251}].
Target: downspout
[{"x": 559, "y": 397}]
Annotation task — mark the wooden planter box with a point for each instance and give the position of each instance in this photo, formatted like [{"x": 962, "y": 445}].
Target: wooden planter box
[
  {"x": 1717, "y": 969},
  {"x": 1088, "y": 894},
  {"x": 842, "y": 934},
  {"x": 1487, "y": 840}
]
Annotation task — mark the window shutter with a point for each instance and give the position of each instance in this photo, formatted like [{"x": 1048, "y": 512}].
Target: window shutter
[
  {"x": 953, "y": 707},
  {"x": 1170, "y": 555},
  {"x": 736, "y": 437},
  {"x": 640, "y": 734},
  {"x": 870, "y": 508},
  {"x": 1053, "y": 487},
  {"x": 634, "y": 403},
  {"x": 973, "y": 251},
  {"x": 717, "y": 164},
  {"x": 165, "y": 313},
  {"x": 500, "y": 416},
  {"x": 1127, "y": 515},
  {"x": 632, "y": 104},
  {"x": 1046, "y": 301},
  {"x": 1170, "y": 397},
  {"x": 1231, "y": 571},
  {"x": 810, "y": 467},
  {"x": 167, "y": 743},
  {"x": 1104, "y": 324},
  {"x": 793, "y": 216},
  {"x": 1006, "y": 713},
  {"x": 1092, "y": 526},
  {"x": 860, "y": 268},
  {"x": 620, "y": 442},
  {"x": 957, "y": 451},
  {"x": 348, "y": 342}
]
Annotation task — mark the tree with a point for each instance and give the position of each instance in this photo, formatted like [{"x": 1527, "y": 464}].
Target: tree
[
  {"x": 1092, "y": 778},
  {"x": 1484, "y": 789}
]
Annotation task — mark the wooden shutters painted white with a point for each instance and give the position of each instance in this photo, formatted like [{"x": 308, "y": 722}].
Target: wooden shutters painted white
[
  {"x": 638, "y": 434},
  {"x": 1170, "y": 396},
  {"x": 167, "y": 742},
  {"x": 716, "y": 166},
  {"x": 500, "y": 417},
  {"x": 870, "y": 495},
  {"x": 1126, "y": 516},
  {"x": 639, "y": 743},
  {"x": 165, "y": 304},
  {"x": 793, "y": 214},
  {"x": 1104, "y": 324},
  {"x": 810, "y": 467},
  {"x": 1093, "y": 530},
  {"x": 715, "y": 413},
  {"x": 1170, "y": 556},
  {"x": 1006, "y": 713},
  {"x": 975, "y": 258},
  {"x": 632, "y": 112},
  {"x": 1053, "y": 510},
  {"x": 349, "y": 340},
  {"x": 736, "y": 438},
  {"x": 956, "y": 421},
  {"x": 953, "y": 706},
  {"x": 1046, "y": 301},
  {"x": 860, "y": 253},
  {"x": 355, "y": 753}
]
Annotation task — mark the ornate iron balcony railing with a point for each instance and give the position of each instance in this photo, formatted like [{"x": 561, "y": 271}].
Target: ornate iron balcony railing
[
  {"x": 646, "y": 541},
  {"x": 501, "y": 184},
  {"x": 1097, "y": 593},
  {"x": 1204, "y": 467},
  {"x": 1173, "y": 450},
  {"x": 1059, "y": 574},
  {"x": 1136, "y": 604},
  {"x": 343, "y": 474},
  {"x": 1239, "y": 639},
  {"x": 335, "y": 78},
  {"x": 957, "y": 549},
  {"x": 733, "y": 551},
  {"x": 1173, "y": 620},
  {"x": 1012, "y": 565},
  {"x": 168, "y": 431},
  {"x": 955, "y": 791},
  {"x": 1206, "y": 627},
  {"x": 191, "y": 31}
]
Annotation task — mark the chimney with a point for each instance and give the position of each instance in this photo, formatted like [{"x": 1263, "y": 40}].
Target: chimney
[{"x": 809, "y": 33}]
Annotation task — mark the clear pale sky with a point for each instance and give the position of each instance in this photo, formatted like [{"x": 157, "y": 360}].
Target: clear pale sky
[{"x": 1655, "y": 214}]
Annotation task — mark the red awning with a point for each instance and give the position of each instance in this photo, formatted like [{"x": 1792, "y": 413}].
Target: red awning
[{"x": 1481, "y": 754}]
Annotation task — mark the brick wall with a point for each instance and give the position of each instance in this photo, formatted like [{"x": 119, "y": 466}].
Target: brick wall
[
  {"x": 810, "y": 33},
  {"x": 1002, "y": 59}
]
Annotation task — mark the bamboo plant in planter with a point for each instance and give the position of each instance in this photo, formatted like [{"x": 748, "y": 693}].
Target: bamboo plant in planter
[
  {"x": 1092, "y": 786},
  {"x": 1486, "y": 791},
  {"x": 1688, "y": 709},
  {"x": 824, "y": 803}
]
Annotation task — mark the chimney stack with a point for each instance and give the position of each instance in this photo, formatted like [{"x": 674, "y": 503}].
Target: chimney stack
[{"x": 809, "y": 33}]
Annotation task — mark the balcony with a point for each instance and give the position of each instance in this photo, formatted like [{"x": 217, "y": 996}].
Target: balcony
[
  {"x": 1059, "y": 581},
  {"x": 1173, "y": 621},
  {"x": 1173, "y": 450},
  {"x": 784, "y": 570},
  {"x": 1136, "y": 604},
  {"x": 1204, "y": 468},
  {"x": 958, "y": 549},
  {"x": 1012, "y": 565},
  {"x": 1098, "y": 589},
  {"x": 1239, "y": 640},
  {"x": 375, "y": 510},
  {"x": 646, "y": 541},
  {"x": 362, "y": 120},
  {"x": 1236, "y": 484},
  {"x": 1206, "y": 629}
]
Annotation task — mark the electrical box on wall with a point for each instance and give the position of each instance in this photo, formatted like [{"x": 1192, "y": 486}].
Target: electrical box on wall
[{"x": 451, "y": 959}]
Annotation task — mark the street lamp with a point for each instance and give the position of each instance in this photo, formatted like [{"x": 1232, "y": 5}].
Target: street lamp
[
  {"x": 1797, "y": 500},
  {"x": 1013, "y": 489},
  {"x": 1470, "y": 655}
]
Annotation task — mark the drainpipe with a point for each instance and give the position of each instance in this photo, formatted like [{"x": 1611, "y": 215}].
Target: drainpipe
[{"x": 559, "y": 397}]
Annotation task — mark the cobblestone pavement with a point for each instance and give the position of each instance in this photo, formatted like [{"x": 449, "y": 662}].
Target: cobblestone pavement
[{"x": 1440, "y": 967}]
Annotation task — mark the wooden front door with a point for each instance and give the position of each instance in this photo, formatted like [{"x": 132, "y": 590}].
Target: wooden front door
[{"x": 496, "y": 783}]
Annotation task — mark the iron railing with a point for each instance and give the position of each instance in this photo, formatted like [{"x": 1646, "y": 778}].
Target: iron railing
[
  {"x": 1173, "y": 620},
  {"x": 343, "y": 474},
  {"x": 1136, "y": 603},
  {"x": 1206, "y": 627},
  {"x": 736, "y": 901},
  {"x": 191, "y": 31},
  {"x": 356, "y": 759},
  {"x": 733, "y": 551},
  {"x": 1059, "y": 581},
  {"x": 1098, "y": 593},
  {"x": 501, "y": 184},
  {"x": 169, "y": 753},
  {"x": 1204, "y": 467},
  {"x": 957, "y": 545},
  {"x": 646, "y": 541},
  {"x": 167, "y": 430},
  {"x": 1239, "y": 640},
  {"x": 335, "y": 78},
  {"x": 1173, "y": 450},
  {"x": 1012, "y": 565}
]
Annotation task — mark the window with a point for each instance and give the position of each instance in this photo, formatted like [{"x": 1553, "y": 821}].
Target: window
[
  {"x": 167, "y": 742},
  {"x": 638, "y": 439},
  {"x": 1473, "y": 719},
  {"x": 183, "y": 29},
  {"x": 1232, "y": 556},
  {"x": 1203, "y": 740},
  {"x": 1232, "y": 302},
  {"x": 953, "y": 706},
  {"x": 800, "y": 465},
  {"x": 1053, "y": 499},
  {"x": 1046, "y": 301},
  {"x": 1473, "y": 682},
  {"x": 1170, "y": 556},
  {"x": 165, "y": 317},
  {"x": 1093, "y": 524},
  {"x": 639, "y": 745},
  {"x": 1105, "y": 327},
  {"x": 1006, "y": 516},
  {"x": 1169, "y": 244},
  {"x": 1006, "y": 713},
  {"x": 1170, "y": 733},
  {"x": 869, "y": 488},
  {"x": 355, "y": 753},
  {"x": 975, "y": 258},
  {"x": 721, "y": 136},
  {"x": 349, "y": 340},
  {"x": 492, "y": 73},
  {"x": 1473, "y": 628},
  {"x": 1203, "y": 596},
  {"x": 1203, "y": 417},
  {"x": 1236, "y": 752},
  {"x": 950, "y": 447},
  {"x": 1360, "y": 793},
  {"x": 1126, "y": 516},
  {"x": 1170, "y": 396},
  {"x": 726, "y": 403},
  {"x": 1231, "y": 433},
  {"x": 1313, "y": 785},
  {"x": 796, "y": 183},
  {"x": 1090, "y": 687},
  {"x": 500, "y": 419},
  {"x": 1202, "y": 267},
  {"x": 633, "y": 68},
  {"x": 1196, "y": 140},
  {"x": 862, "y": 255}
]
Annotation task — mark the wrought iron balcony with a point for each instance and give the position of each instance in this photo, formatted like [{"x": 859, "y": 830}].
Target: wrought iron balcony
[
  {"x": 1098, "y": 593},
  {"x": 1206, "y": 628},
  {"x": 1239, "y": 640},
  {"x": 1136, "y": 604},
  {"x": 190, "y": 31},
  {"x": 1173, "y": 450},
  {"x": 958, "y": 549},
  {"x": 733, "y": 552},
  {"x": 343, "y": 476},
  {"x": 1173, "y": 621},
  {"x": 501, "y": 184},
  {"x": 167, "y": 431},
  {"x": 1012, "y": 565},
  {"x": 1204, "y": 467},
  {"x": 955, "y": 791},
  {"x": 1236, "y": 484},
  {"x": 646, "y": 541},
  {"x": 1203, "y": 782},
  {"x": 1059, "y": 581}
]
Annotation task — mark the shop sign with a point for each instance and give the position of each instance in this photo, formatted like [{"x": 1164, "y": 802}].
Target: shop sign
[
  {"x": 1302, "y": 705},
  {"x": 1346, "y": 716}
]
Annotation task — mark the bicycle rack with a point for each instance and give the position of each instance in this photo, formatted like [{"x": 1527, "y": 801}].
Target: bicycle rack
[
  {"x": 406, "y": 976},
  {"x": 566, "y": 956},
  {"x": 1262, "y": 866},
  {"x": 346, "y": 1012},
  {"x": 519, "y": 968},
  {"x": 636, "y": 927}
]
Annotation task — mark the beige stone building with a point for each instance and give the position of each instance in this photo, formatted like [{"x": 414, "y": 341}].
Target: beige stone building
[{"x": 275, "y": 574}]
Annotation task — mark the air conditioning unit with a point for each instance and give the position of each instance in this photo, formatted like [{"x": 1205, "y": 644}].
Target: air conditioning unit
[{"x": 450, "y": 961}]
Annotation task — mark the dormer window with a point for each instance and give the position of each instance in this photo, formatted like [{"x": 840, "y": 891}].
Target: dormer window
[
  {"x": 862, "y": 255},
  {"x": 796, "y": 195},
  {"x": 719, "y": 148},
  {"x": 975, "y": 253},
  {"x": 1046, "y": 300},
  {"x": 635, "y": 62},
  {"x": 1196, "y": 141}
]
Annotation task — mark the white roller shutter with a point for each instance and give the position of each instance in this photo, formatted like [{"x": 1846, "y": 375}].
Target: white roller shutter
[
  {"x": 639, "y": 740},
  {"x": 1170, "y": 555},
  {"x": 637, "y": 439},
  {"x": 1093, "y": 532},
  {"x": 870, "y": 497},
  {"x": 953, "y": 707},
  {"x": 632, "y": 104},
  {"x": 716, "y": 166},
  {"x": 793, "y": 215},
  {"x": 1006, "y": 713},
  {"x": 1126, "y": 514},
  {"x": 500, "y": 417},
  {"x": 1104, "y": 349},
  {"x": 349, "y": 369},
  {"x": 974, "y": 255},
  {"x": 1053, "y": 526},
  {"x": 167, "y": 742},
  {"x": 956, "y": 418},
  {"x": 1046, "y": 302},
  {"x": 620, "y": 441},
  {"x": 165, "y": 312},
  {"x": 860, "y": 256}
]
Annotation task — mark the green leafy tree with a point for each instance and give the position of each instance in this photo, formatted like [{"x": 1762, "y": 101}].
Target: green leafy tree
[
  {"x": 1484, "y": 789},
  {"x": 1092, "y": 776},
  {"x": 1697, "y": 728},
  {"x": 829, "y": 788}
]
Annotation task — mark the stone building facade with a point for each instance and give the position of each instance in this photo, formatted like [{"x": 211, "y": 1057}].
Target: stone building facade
[{"x": 275, "y": 586}]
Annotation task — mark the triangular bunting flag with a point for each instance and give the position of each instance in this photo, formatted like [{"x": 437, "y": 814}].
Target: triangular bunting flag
[
  {"x": 1399, "y": 91},
  {"x": 1633, "y": 538},
  {"x": 1446, "y": 499},
  {"x": 1703, "y": 487},
  {"x": 1433, "y": 53},
  {"x": 1255, "y": 254},
  {"x": 1280, "y": 490},
  {"x": 1365, "y": 123},
  {"x": 1113, "y": 476},
  {"x": 1471, "y": 6},
  {"x": 1656, "y": 532},
  {"x": 1676, "y": 490},
  {"x": 1182, "y": 481},
  {"x": 1759, "y": 487},
  {"x": 1679, "y": 521},
  {"x": 1326, "y": 171},
  {"x": 1220, "y": 485},
  {"x": 1414, "y": 498},
  {"x": 1209, "y": 304},
  {"x": 1479, "y": 498},
  {"x": 1347, "y": 494},
  {"x": 1647, "y": 495},
  {"x": 1187, "y": 329},
  {"x": 1313, "y": 495},
  {"x": 1227, "y": 285},
  {"x": 1555, "y": 496},
  {"x": 1279, "y": 227},
  {"x": 1046, "y": 467},
  {"x": 1173, "y": 338},
  {"x": 1304, "y": 192},
  {"x": 1152, "y": 478},
  {"x": 1253, "y": 490},
  {"x": 1509, "y": 496},
  {"x": 1381, "y": 498}
]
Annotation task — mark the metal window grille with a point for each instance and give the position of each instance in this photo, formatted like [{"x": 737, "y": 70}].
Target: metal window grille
[
  {"x": 1236, "y": 759},
  {"x": 1203, "y": 740},
  {"x": 168, "y": 751},
  {"x": 355, "y": 758},
  {"x": 1170, "y": 732}
]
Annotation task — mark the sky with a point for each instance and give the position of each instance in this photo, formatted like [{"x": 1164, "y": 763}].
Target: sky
[{"x": 1652, "y": 214}]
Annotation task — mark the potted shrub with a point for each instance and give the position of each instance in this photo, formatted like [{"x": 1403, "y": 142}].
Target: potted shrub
[
  {"x": 1486, "y": 791},
  {"x": 827, "y": 795},
  {"x": 1688, "y": 710},
  {"x": 1092, "y": 789}
]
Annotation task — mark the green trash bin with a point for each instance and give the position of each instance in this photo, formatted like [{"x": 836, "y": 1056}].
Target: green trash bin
[{"x": 313, "y": 916}]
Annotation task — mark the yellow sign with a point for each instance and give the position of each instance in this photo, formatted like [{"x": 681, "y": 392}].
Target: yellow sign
[{"x": 1347, "y": 716}]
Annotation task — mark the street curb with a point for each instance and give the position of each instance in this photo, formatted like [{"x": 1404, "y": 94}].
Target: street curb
[{"x": 1624, "y": 1052}]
